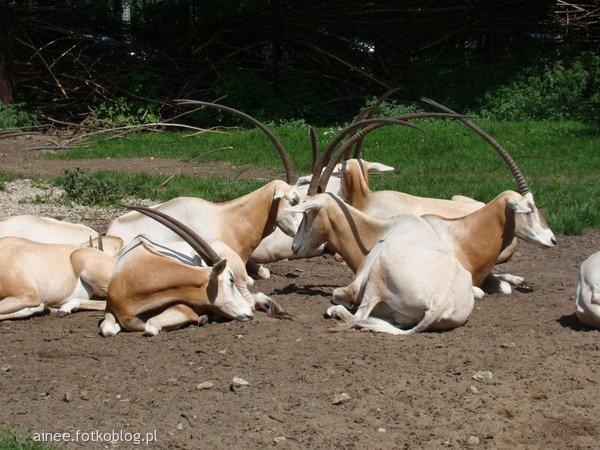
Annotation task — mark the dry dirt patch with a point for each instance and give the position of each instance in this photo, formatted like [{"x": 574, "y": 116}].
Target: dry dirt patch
[{"x": 413, "y": 392}]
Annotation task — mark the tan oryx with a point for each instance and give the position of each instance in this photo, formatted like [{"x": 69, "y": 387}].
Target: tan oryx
[
  {"x": 157, "y": 286},
  {"x": 36, "y": 276},
  {"x": 587, "y": 296}
]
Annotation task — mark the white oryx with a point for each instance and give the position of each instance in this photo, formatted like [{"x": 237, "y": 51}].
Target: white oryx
[
  {"x": 52, "y": 231},
  {"x": 36, "y": 276},
  {"x": 587, "y": 296}
]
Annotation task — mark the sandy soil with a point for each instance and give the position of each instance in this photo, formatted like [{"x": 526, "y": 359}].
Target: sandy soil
[{"x": 60, "y": 375}]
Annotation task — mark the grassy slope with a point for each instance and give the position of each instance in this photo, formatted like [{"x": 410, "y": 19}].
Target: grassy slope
[{"x": 561, "y": 161}]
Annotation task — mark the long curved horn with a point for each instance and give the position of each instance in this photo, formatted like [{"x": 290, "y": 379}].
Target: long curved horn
[
  {"x": 199, "y": 245},
  {"x": 290, "y": 173},
  {"x": 313, "y": 146},
  {"x": 367, "y": 113},
  {"x": 522, "y": 184},
  {"x": 400, "y": 120}
]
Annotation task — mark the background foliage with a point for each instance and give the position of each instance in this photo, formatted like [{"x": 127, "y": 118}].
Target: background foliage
[{"x": 282, "y": 60}]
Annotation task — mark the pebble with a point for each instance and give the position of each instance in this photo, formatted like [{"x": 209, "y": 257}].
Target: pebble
[
  {"x": 482, "y": 375},
  {"x": 173, "y": 381},
  {"x": 381, "y": 430},
  {"x": 341, "y": 398},
  {"x": 5, "y": 367},
  {"x": 239, "y": 384},
  {"x": 473, "y": 390},
  {"x": 204, "y": 385},
  {"x": 179, "y": 426},
  {"x": 508, "y": 345},
  {"x": 67, "y": 397},
  {"x": 84, "y": 395},
  {"x": 473, "y": 440},
  {"x": 279, "y": 439}
]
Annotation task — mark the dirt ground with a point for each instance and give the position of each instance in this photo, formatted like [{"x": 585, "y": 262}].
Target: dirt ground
[{"x": 60, "y": 375}]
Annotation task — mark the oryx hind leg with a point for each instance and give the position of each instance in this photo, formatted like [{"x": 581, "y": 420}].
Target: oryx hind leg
[
  {"x": 172, "y": 318},
  {"x": 24, "y": 313}
]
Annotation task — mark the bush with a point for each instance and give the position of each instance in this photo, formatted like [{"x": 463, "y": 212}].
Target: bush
[
  {"x": 561, "y": 90},
  {"x": 15, "y": 116},
  {"x": 84, "y": 188}
]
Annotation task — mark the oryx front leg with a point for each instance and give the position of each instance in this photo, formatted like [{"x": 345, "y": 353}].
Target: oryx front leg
[
  {"x": 109, "y": 326},
  {"x": 172, "y": 318},
  {"x": 81, "y": 304}
]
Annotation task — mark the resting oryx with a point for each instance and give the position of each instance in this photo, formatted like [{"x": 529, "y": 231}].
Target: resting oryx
[
  {"x": 158, "y": 286},
  {"x": 278, "y": 245},
  {"x": 409, "y": 277},
  {"x": 241, "y": 223},
  {"x": 587, "y": 297},
  {"x": 36, "y": 276},
  {"x": 52, "y": 231}
]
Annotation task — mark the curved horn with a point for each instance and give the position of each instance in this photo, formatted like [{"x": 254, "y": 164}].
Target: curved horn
[
  {"x": 401, "y": 120},
  {"x": 367, "y": 113},
  {"x": 313, "y": 146},
  {"x": 522, "y": 184},
  {"x": 290, "y": 173},
  {"x": 199, "y": 245}
]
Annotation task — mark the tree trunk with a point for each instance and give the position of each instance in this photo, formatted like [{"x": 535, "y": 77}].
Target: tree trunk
[{"x": 7, "y": 80}]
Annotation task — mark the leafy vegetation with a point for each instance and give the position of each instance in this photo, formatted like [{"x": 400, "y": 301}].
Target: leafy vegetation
[
  {"x": 559, "y": 90},
  {"x": 559, "y": 158},
  {"x": 16, "y": 116},
  {"x": 8, "y": 441}
]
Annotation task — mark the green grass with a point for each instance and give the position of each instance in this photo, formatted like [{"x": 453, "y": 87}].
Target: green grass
[
  {"x": 6, "y": 177},
  {"x": 561, "y": 161}
]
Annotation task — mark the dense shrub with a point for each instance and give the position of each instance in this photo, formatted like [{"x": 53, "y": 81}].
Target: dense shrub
[
  {"x": 15, "y": 116},
  {"x": 567, "y": 89}
]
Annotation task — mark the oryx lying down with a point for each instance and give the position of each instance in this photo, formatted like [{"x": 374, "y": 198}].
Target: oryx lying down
[
  {"x": 278, "y": 245},
  {"x": 409, "y": 279},
  {"x": 183, "y": 289},
  {"x": 36, "y": 276},
  {"x": 52, "y": 231},
  {"x": 587, "y": 297}
]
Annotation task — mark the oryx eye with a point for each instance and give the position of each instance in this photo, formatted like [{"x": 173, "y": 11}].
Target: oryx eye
[{"x": 294, "y": 201}]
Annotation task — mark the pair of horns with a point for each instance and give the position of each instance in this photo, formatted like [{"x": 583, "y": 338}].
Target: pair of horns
[
  {"x": 356, "y": 133},
  {"x": 100, "y": 244},
  {"x": 199, "y": 245}
]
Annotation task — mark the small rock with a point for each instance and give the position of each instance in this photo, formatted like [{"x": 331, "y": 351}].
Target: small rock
[
  {"x": 341, "y": 398},
  {"x": 473, "y": 440},
  {"x": 173, "y": 381},
  {"x": 204, "y": 385},
  {"x": 67, "y": 397},
  {"x": 222, "y": 352},
  {"x": 472, "y": 390},
  {"x": 239, "y": 384},
  {"x": 179, "y": 426},
  {"x": 5, "y": 367},
  {"x": 508, "y": 345},
  {"x": 381, "y": 430},
  {"x": 482, "y": 375},
  {"x": 279, "y": 439},
  {"x": 84, "y": 394}
]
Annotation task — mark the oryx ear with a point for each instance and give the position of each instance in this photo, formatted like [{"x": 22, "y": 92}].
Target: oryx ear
[
  {"x": 303, "y": 207},
  {"x": 218, "y": 268},
  {"x": 520, "y": 207},
  {"x": 339, "y": 168},
  {"x": 376, "y": 167},
  {"x": 279, "y": 193}
]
